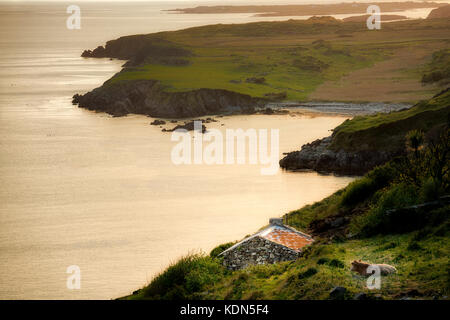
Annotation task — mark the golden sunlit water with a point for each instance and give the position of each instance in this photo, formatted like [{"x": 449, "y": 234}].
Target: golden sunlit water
[{"x": 83, "y": 188}]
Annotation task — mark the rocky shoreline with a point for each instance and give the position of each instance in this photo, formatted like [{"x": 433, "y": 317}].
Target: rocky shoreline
[
  {"x": 148, "y": 97},
  {"x": 318, "y": 156}
]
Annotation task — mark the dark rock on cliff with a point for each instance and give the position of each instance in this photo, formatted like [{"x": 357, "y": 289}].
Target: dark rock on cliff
[
  {"x": 318, "y": 156},
  {"x": 99, "y": 52},
  {"x": 149, "y": 98}
]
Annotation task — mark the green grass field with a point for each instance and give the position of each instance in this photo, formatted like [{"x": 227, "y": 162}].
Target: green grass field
[
  {"x": 366, "y": 122},
  {"x": 386, "y": 131},
  {"x": 294, "y": 57},
  {"x": 285, "y": 69}
]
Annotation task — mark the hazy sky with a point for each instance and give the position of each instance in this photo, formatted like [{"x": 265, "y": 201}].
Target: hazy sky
[
  {"x": 225, "y": 2},
  {"x": 191, "y": 3}
]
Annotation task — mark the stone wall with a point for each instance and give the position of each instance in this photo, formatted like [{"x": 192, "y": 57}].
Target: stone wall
[{"x": 257, "y": 251}]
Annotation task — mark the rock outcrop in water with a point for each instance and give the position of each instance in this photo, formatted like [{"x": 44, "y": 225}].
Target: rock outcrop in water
[{"x": 149, "y": 98}]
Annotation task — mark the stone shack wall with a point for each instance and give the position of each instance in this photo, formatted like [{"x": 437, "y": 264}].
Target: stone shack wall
[{"x": 257, "y": 251}]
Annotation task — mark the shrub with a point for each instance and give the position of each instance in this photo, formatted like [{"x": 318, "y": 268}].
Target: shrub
[
  {"x": 365, "y": 187},
  {"x": 382, "y": 176},
  {"x": 323, "y": 261},
  {"x": 430, "y": 190},
  {"x": 238, "y": 285},
  {"x": 357, "y": 191},
  {"x": 443, "y": 230},
  {"x": 390, "y": 245},
  {"x": 438, "y": 217},
  {"x": 414, "y": 246},
  {"x": 336, "y": 263},
  {"x": 220, "y": 248},
  {"x": 380, "y": 220},
  {"x": 308, "y": 273},
  {"x": 182, "y": 279}
]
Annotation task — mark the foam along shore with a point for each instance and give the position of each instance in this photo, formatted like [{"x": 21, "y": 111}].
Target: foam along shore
[{"x": 341, "y": 108}]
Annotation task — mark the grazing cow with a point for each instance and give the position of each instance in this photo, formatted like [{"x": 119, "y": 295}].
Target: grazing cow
[{"x": 361, "y": 267}]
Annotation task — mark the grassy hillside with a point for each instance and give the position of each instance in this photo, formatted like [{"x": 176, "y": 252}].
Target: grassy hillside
[
  {"x": 438, "y": 70},
  {"x": 373, "y": 219},
  {"x": 386, "y": 131},
  {"x": 293, "y": 58},
  {"x": 420, "y": 256}
]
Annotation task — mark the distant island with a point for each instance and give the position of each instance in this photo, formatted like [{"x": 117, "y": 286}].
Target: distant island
[{"x": 308, "y": 9}]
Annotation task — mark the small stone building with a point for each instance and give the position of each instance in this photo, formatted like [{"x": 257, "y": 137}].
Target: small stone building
[{"x": 276, "y": 243}]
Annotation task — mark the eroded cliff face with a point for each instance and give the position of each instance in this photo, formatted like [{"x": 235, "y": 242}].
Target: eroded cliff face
[
  {"x": 318, "y": 156},
  {"x": 355, "y": 152},
  {"x": 148, "y": 97}
]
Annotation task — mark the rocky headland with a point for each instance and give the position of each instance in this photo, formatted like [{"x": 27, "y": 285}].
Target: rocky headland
[
  {"x": 194, "y": 72},
  {"x": 360, "y": 144},
  {"x": 148, "y": 97},
  {"x": 318, "y": 156}
]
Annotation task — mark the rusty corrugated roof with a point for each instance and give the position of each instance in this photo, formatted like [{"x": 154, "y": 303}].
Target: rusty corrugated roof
[
  {"x": 287, "y": 237},
  {"x": 281, "y": 234}
]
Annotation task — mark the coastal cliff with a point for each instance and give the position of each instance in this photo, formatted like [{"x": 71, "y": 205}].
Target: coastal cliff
[
  {"x": 148, "y": 97},
  {"x": 318, "y": 156},
  {"x": 360, "y": 144}
]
